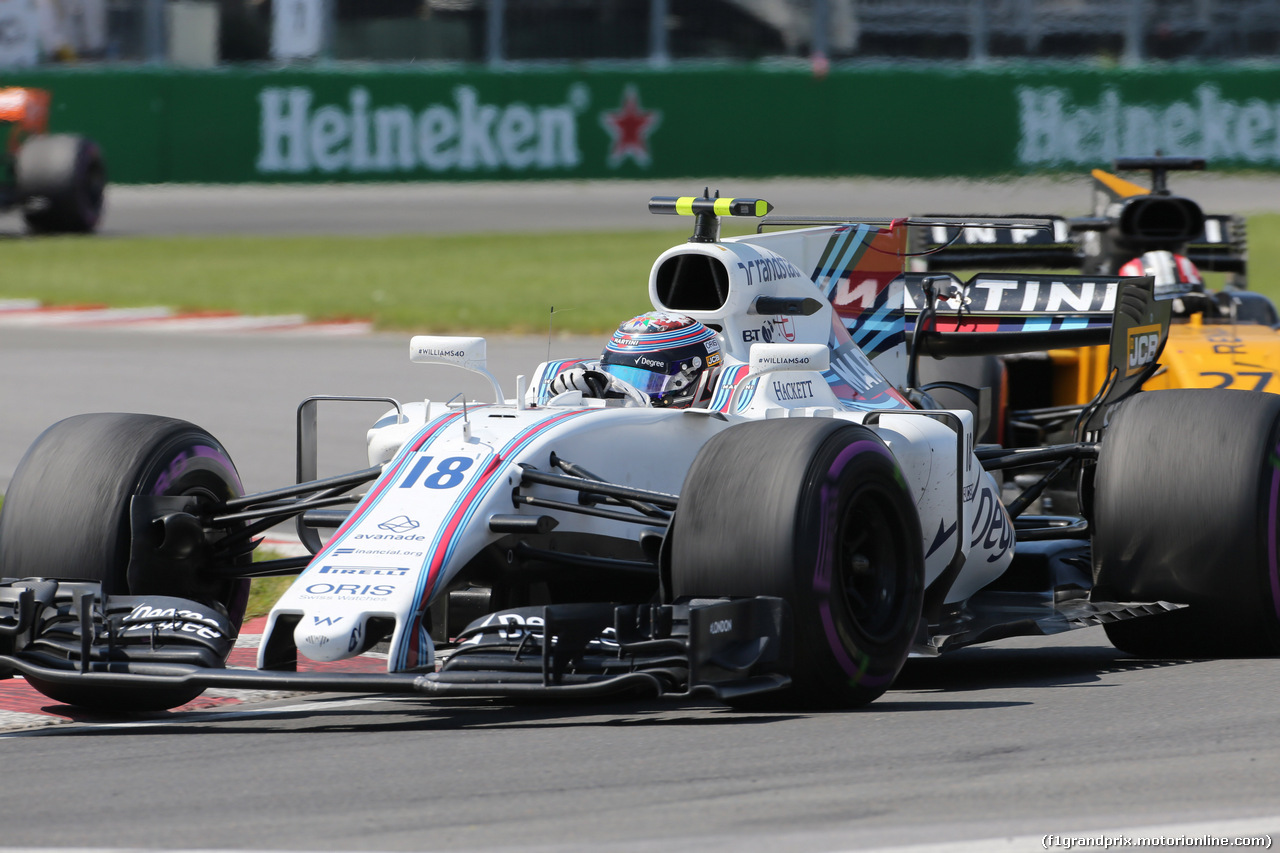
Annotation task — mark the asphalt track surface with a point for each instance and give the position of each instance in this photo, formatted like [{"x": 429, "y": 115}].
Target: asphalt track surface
[
  {"x": 992, "y": 748},
  {"x": 605, "y": 206}
]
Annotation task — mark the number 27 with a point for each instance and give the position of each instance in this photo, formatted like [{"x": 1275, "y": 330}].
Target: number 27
[{"x": 1226, "y": 380}]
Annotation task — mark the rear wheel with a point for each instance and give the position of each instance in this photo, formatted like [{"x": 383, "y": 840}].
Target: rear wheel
[
  {"x": 61, "y": 182},
  {"x": 814, "y": 511},
  {"x": 70, "y": 514},
  {"x": 1186, "y": 503}
]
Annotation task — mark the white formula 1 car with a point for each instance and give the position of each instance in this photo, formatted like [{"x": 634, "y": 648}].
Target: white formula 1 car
[{"x": 744, "y": 496}]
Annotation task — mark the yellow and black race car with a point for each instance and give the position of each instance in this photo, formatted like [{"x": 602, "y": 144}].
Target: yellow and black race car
[{"x": 1223, "y": 339}]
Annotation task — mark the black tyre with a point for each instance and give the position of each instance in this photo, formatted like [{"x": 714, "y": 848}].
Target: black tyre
[
  {"x": 975, "y": 373},
  {"x": 66, "y": 516},
  {"x": 61, "y": 182},
  {"x": 814, "y": 511},
  {"x": 1186, "y": 500}
]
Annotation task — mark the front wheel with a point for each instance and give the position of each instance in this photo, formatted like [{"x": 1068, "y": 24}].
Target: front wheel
[
  {"x": 814, "y": 511},
  {"x": 70, "y": 514}
]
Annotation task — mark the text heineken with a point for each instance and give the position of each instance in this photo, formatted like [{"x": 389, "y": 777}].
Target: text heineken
[
  {"x": 466, "y": 135},
  {"x": 1057, "y": 131}
]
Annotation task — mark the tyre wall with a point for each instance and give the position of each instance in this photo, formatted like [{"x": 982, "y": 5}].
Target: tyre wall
[{"x": 313, "y": 125}]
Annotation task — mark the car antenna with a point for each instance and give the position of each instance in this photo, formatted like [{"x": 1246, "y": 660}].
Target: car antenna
[
  {"x": 466, "y": 421},
  {"x": 550, "y": 324},
  {"x": 551, "y": 317}
]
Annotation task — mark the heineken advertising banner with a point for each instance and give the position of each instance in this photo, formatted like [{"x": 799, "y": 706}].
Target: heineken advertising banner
[{"x": 160, "y": 125}]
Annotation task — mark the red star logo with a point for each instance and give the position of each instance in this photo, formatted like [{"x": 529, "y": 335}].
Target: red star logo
[{"x": 629, "y": 127}]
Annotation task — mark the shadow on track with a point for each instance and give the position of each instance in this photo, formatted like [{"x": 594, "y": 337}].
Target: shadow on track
[
  {"x": 988, "y": 667},
  {"x": 437, "y": 715},
  {"x": 1011, "y": 673}
]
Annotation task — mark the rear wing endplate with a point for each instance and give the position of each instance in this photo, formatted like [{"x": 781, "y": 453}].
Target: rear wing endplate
[{"x": 1139, "y": 331}]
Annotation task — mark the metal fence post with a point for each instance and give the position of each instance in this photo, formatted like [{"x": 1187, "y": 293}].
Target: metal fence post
[
  {"x": 1134, "y": 49},
  {"x": 153, "y": 47},
  {"x": 659, "y": 54},
  {"x": 330, "y": 28},
  {"x": 821, "y": 28},
  {"x": 979, "y": 37},
  {"x": 495, "y": 23}
]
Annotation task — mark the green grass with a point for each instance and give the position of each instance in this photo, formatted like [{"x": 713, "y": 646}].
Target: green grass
[
  {"x": 1264, "y": 254},
  {"x": 424, "y": 284},
  {"x": 442, "y": 284},
  {"x": 264, "y": 593}
]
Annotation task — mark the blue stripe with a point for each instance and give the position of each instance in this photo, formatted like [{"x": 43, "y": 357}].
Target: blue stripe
[
  {"x": 892, "y": 330},
  {"x": 842, "y": 266},
  {"x": 886, "y": 403},
  {"x": 864, "y": 330},
  {"x": 748, "y": 394},
  {"x": 724, "y": 388},
  {"x": 686, "y": 335},
  {"x": 878, "y": 321},
  {"x": 392, "y": 471},
  {"x": 837, "y": 243}
]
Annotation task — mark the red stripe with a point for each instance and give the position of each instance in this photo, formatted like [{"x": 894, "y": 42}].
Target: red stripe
[
  {"x": 965, "y": 326},
  {"x": 437, "y": 558},
  {"x": 386, "y": 481}
]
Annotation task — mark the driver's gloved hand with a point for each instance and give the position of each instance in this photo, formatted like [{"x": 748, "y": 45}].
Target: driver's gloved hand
[
  {"x": 592, "y": 383},
  {"x": 596, "y": 383}
]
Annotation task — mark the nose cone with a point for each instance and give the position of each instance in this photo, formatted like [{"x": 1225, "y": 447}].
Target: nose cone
[{"x": 327, "y": 638}]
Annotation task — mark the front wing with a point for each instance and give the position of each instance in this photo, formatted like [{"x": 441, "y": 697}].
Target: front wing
[{"x": 62, "y": 632}]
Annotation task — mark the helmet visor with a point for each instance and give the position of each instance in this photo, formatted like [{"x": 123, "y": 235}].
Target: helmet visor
[{"x": 646, "y": 381}]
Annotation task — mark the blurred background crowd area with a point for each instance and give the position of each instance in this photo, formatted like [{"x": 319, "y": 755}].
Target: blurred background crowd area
[{"x": 204, "y": 33}]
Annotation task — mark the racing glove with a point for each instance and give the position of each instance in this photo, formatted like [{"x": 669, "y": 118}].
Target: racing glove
[
  {"x": 592, "y": 383},
  {"x": 595, "y": 383}
]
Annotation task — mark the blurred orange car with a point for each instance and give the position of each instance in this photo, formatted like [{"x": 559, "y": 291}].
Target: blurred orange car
[{"x": 57, "y": 180}]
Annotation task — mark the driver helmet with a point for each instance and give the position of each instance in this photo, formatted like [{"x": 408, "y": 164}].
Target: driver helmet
[
  {"x": 1175, "y": 275},
  {"x": 670, "y": 358}
]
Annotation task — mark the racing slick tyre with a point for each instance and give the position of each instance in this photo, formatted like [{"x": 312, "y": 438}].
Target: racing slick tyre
[
  {"x": 68, "y": 516},
  {"x": 1186, "y": 500},
  {"x": 814, "y": 511},
  {"x": 61, "y": 181}
]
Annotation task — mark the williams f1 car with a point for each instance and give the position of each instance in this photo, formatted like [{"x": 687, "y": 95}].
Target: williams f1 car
[{"x": 744, "y": 496}]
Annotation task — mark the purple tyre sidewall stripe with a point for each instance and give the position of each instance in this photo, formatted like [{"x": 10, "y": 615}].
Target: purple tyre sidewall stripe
[
  {"x": 830, "y": 498},
  {"x": 181, "y": 463},
  {"x": 174, "y": 471}
]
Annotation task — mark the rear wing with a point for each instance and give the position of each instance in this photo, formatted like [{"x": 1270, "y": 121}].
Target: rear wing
[
  {"x": 1221, "y": 245},
  {"x": 940, "y": 247},
  {"x": 1004, "y": 313},
  {"x": 977, "y": 317},
  {"x": 1128, "y": 219}
]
